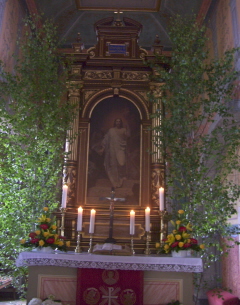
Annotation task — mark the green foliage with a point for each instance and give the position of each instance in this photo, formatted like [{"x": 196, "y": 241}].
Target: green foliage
[
  {"x": 199, "y": 135},
  {"x": 34, "y": 118}
]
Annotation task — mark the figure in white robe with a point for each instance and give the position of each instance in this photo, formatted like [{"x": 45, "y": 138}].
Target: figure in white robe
[{"x": 114, "y": 145}]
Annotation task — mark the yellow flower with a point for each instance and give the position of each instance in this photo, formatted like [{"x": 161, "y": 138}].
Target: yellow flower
[
  {"x": 53, "y": 227},
  {"x": 45, "y": 209},
  {"x": 157, "y": 245},
  {"x": 166, "y": 247},
  {"x": 22, "y": 241},
  {"x": 68, "y": 243},
  {"x": 189, "y": 226},
  {"x": 185, "y": 235},
  {"x": 56, "y": 236},
  {"x": 60, "y": 243},
  {"x": 170, "y": 239},
  {"x": 45, "y": 234},
  {"x": 180, "y": 212},
  {"x": 202, "y": 246},
  {"x": 48, "y": 219},
  {"x": 42, "y": 218},
  {"x": 41, "y": 242},
  {"x": 38, "y": 232},
  {"x": 180, "y": 244},
  {"x": 178, "y": 222},
  {"x": 178, "y": 237},
  {"x": 174, "y": 231}
]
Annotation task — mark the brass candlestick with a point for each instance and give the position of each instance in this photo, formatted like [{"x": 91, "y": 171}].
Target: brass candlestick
[
  {"x": 132, "y": 248},
  {"x": 90, "y": 243},
  {"x": 78, "y": 248},
  {"x": 63, "y": 212},
  {"x": 148, "y": 238},
  {"x": 163, "y": 225}
]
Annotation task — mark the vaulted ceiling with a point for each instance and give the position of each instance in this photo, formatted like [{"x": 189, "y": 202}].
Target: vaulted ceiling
[{"x": 74, "y": 16}]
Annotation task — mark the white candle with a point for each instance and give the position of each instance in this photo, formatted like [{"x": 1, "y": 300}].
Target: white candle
[
  {"x": 92, "y": 221},
  {"x": 132, "y": 222},
  {"x": 79, "y": 220},
  {"x": 64, "y": 196},
  {"x": 147, "y": 219},
  {"x": 161, "y": 198}
]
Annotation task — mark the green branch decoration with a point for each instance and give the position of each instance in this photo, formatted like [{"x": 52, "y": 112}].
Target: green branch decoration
[{"x": 199, "y": 135}]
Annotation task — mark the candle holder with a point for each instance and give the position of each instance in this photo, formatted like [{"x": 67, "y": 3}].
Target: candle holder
[
  {"x": 63, "y": 212},
  {"x": 78, "y": 248},
  {"x": 163, "y": 225},
  {"x": 132, "y": 248},
  {"x": 148, "y": 238},
  {"x": 90, "y": 244}
]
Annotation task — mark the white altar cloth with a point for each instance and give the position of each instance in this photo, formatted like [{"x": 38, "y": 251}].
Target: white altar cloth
[{"x": 135, "y": 262}]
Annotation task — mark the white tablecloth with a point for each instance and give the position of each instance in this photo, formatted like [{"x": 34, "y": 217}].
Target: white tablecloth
[{"x": 135, "y": 262}]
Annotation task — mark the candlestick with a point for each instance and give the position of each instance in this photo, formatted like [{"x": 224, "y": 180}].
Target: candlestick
[
  {"x": 147, "y": 250},
  {"x": 147, "y": 219},
  {"x": 78, "y": 248},
  {"x": 64, "y": 195},
  {"x": 163, "y": 225},
  {"x": 132, "y": 248},
  {"x": 161, "y": 198},
  {"x": 79, "y": 220},
  {"x": 92, "y": 221},
  {"x": 63, "y": 211},
  {"x": 132, "y": 222},
  {"x": 90, "y": 244}
]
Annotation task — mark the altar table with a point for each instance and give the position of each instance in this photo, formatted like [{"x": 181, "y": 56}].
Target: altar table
[{"x": 165, "y": 278}]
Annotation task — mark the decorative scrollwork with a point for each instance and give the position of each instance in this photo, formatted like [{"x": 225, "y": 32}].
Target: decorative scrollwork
[
  {"x": 98, "y": 75},
  {"x": 142, "y": 76}
]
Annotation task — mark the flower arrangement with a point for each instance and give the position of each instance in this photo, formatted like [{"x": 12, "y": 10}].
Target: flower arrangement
[
  {"x": 180, "y": 238},
  {"x": 46, "y": 234}
]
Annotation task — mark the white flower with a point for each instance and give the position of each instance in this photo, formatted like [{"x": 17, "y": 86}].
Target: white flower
[{"x": 35, "y": 301}]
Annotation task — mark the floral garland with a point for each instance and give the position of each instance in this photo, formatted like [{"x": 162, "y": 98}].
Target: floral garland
[
  {"x": 181, "y": 237},
  {"x": 46, "y": 234}
]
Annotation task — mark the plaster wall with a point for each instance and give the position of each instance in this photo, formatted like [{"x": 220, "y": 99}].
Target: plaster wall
[{"x": 11, "y": 14}]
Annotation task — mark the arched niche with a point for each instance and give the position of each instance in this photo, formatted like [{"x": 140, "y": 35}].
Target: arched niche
[{"x": 99, "y": 113}]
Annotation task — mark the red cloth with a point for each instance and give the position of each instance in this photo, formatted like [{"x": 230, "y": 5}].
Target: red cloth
[
  {"x": 221, "y": 297},
  {"x": 105, "y": 287}
]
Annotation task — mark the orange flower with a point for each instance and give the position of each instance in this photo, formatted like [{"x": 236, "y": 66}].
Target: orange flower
[
  {"x": 180, "y": 244},
  {"x": 22, "y": 241},
  {"x": 54, "y": 227},
  {"x": 181, "y": 212},
  {"x": 202, "y": 246},
  {"x": 178, "y": 222},
  {"x": 41, "y": 243},
  {"x": 178, "y": 237},
  {"x": 45, "y": 209}
]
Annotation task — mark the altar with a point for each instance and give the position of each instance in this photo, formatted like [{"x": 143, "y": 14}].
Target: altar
[{"x": 164, "y": 278}]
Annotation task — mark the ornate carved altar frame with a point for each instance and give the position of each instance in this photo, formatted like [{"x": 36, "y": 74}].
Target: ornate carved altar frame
[{"x": 97, "y": 74}]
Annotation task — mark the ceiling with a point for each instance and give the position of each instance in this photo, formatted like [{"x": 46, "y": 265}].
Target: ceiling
[{"x": 73, "y": 16}]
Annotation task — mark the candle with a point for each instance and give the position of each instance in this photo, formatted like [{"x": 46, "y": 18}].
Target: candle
[
  {"x": 79, "y": 220},
  {"x": 92, "y": 221},
  {"x": 161, "y": 198},
  {"x": 147, "y": 219},
  {"x": 64, "y": 196},
  {"x": 132, "y": 222}
]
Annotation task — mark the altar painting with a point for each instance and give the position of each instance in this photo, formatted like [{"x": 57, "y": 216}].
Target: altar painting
[{"x": 114, "y": 151}]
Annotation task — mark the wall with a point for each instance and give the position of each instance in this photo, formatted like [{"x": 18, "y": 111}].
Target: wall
[
  {"x": 223, "y": 22},
  {"x": 11, "y": 15}
]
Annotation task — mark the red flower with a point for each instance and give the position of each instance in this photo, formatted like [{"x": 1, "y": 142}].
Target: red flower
[
  {"x": 32, "y": 234},
  {"x": 44, "y": 226},
  {"x": 34, "y": 240},
  {"x": 175, "y": 244},
  {"x": 164, "y": 239},
  {"x": 193, "y": 241},
  {"x": 182, "y": 229},
  {"x": 187, "y": 245},
  {"x": 50, "y": 240}
]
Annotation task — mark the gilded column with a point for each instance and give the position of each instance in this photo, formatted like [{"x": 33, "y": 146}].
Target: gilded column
[
  {"x": 71, "y": 145},
  {"x": 157, "y": 162}
]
